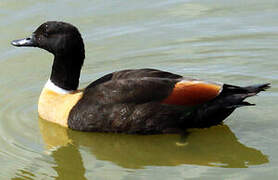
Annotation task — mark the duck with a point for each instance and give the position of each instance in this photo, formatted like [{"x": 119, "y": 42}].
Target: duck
[{"x": 132, "y": 101}]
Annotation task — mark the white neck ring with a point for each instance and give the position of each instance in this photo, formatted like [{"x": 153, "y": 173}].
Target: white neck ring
[{"x": 51, "y": 86}]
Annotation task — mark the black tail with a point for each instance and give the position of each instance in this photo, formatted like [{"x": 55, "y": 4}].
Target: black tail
[
  {"x": 230, "y": 89},
  {"x": 257, "y": 88},
  {"x": 238, "y": 94},
  {"x": 228, "y": 100}
]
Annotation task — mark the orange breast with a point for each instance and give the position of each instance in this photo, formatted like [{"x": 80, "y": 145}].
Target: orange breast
[
  {"x": 192, "y": 93},
  {"x": 56, "y": 107}
]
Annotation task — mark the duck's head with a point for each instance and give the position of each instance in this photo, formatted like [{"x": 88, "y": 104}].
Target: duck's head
[
  {"x": 64, "y": 41},
  {"x": 55, "y": 37}
]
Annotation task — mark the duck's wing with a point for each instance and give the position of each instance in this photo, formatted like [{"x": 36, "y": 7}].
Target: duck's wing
[
  {"x": 177, "y": 91},
  {"x": 145, "y": 105},
  {"x": 134, "y": 74},
  {"x": 140, "y": 73}
]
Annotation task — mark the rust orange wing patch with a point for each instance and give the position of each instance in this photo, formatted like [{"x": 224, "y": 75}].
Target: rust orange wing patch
[{"x": 187, "y": 93}]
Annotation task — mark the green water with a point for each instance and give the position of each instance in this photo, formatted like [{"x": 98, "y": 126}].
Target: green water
[{"x": 228, "y": 41}]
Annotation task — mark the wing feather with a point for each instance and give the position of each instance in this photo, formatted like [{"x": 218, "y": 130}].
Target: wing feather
[{"x": 188, "y": 93}]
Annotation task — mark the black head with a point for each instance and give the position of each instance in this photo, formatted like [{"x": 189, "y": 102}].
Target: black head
[
  {"x": 65, "y": 42},
  {"x": 55, "y": 37}
]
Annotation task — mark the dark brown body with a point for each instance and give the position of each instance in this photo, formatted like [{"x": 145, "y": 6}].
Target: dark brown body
[{"x": 131, "y": 101}]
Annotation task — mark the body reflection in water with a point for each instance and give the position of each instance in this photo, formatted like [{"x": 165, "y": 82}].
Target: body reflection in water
[{"x": 215, "y": 146}]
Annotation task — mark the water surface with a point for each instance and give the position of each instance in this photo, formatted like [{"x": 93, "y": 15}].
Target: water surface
[{"x": 228, "y": 41}]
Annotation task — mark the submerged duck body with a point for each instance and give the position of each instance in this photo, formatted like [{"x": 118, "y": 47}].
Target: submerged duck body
[{"x": 144, "y": 101}]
